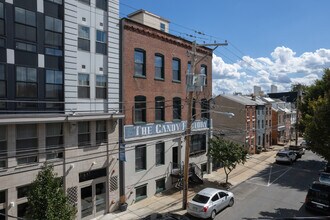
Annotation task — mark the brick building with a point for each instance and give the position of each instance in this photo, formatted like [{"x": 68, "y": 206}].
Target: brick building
[
  {"x": 240, "y": 128},
  {"x": 154, "y": 66}
]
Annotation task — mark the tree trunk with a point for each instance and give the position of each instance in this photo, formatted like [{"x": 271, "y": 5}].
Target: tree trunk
[{"x": 227, "y": 174}]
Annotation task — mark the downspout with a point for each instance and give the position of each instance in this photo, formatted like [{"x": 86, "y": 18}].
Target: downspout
[{"x": 121, "y": 99}]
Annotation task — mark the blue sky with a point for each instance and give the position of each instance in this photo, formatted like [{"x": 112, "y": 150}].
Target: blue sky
[{"x": 276, "y": 42}]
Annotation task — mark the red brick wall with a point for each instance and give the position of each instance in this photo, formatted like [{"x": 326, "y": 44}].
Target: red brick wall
[{"x": 153, "y": 41}]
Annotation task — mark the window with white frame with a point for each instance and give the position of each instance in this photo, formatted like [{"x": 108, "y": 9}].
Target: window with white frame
[
  {"x": 54, "y": 141},
  {"x": 83, "y": 85},
  {"x": 83, "y": 38},
  {"x": 101, "y": 42},
  {"x": 101, "y": 87},
  {"x": 26, "y": 143},
  {"x": 139, "y": 62}
]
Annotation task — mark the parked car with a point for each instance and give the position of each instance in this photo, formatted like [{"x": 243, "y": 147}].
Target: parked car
[
  {"x": 286, "y": 156},
  {"x": 327, "y": 168},
  {"x": 324, "y": 178},
  {"x": 208, "y": 202},
  {"x": 318, "y": 198},
  {"x": 298, "y": 150},
  {"x": 165, "y": 216}
]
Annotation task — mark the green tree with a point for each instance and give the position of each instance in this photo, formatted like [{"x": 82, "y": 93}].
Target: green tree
[
  {"x": 226, "y": 152},
  {"x": 46, "y": 198},
  {"x": 315, "y": 116}
]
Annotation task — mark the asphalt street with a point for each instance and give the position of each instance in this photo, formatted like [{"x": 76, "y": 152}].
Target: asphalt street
[{"x": 277, "y": 192}]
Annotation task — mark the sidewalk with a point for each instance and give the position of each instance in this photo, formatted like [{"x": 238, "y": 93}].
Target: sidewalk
[{"x": 171, "y": 200}]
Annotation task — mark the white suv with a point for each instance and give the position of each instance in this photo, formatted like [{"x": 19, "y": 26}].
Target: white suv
[{"x": 287, "y": 156}]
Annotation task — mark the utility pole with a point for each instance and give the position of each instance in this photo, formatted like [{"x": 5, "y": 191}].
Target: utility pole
[
  {"x": 297, "y": 114},
  {"x": 194, "y": 61}
]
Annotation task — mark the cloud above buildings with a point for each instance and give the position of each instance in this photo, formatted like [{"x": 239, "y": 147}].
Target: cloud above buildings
[{"x": 282, "y": 68}]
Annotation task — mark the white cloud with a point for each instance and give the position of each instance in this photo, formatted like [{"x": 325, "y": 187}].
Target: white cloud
[{"x": 282, "y": 68}]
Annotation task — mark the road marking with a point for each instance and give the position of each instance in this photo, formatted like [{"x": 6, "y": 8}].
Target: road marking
[
  {"x": 270, "y": 173},
  {"x": 280, "y": 176}
]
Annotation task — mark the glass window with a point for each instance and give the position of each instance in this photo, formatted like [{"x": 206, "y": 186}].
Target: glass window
[
  {"x": 21, "y": 210},
  {"x": 83, "y": 133},
  {"x": 85, "y": 1},
  {"x": 140, "y": 158},
  {"x": 53, "y": 24},
  {"x": 102, "y": 4},
  {"x": 176, "y": 108},
  {"x": 176, "y": 75},
  {"x": 56, "y": 1},
  {"x": 1, "y": 10},
  {"x": 26, "y": 82},
  {"x": 204, "y": 71},
  {"x": 198, "y": 143},
  {"x": 2, "y": 41},
  {"x": 140, "y": 193},
  {"x": 83, "y": 32},
  {"x": 25, "y": 32},
  {"x": 162, "y": 26},
  {"x": 160, "y": 153},
  {"x": 159, "y": 66},
  {"x": 83, "y": 86},
  {"x": 52, "y": 38},
  {"x": 3, "y": 82},
  {"x": 160, "y": 185},
  {"x": 26, "y": 47},
  {"x": 3, "y": 148},
  {"x": 83, "y": 38},
  {"x": 101, "y": 87},
  {"x": 215, "y": 198},
  {"x": 159, "y": 108},
  {"x": 54, "y": 84},
  {"x": 22, "y": 191},
  {"x": 140, "y": 109},
  {"x": 101, "y": 39},
  {"x": 189, "y": 67},
  {"x": 2, "y": 27},
  {"x": 54, "y": 141},
  {"x": 101, "y": 36},
  {"x": 101, "y": 132},
  {"x": 26, "y": 143},
  {"x": 139, "y": 62},
  {"x": 53, "y": 52},
  {"x": 25, "y": 17},
  {"x": 2, "y": 196}
]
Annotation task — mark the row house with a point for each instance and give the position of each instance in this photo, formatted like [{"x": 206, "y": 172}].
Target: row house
[
  {"x": 242, "y": 127},
  {"x": 264, "y": 123},
  {"x": 154, "y": 67},
  {"x": 59, "y": 101}
]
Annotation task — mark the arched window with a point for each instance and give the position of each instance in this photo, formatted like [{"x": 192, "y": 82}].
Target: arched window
[
  {"x": 159, "y": 108},
  {"x": 140, "y": 109},
  {"x": 176, "y": 108},
  {"x": 139, "y": 62}
]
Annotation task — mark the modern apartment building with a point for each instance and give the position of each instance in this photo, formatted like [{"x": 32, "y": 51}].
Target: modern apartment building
[
  {"x": 154, "y": 66},
  {"x": 240, "y": 128},
  {"x": 59, "y": 101}
]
